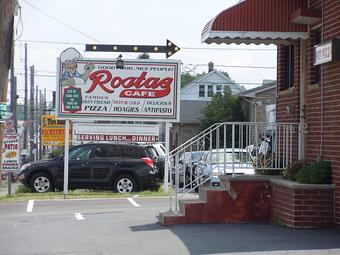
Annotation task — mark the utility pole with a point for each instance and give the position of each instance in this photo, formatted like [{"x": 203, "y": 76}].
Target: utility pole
[
  {"x": 36, "y": 122},
  {"x": 7, "y": 8},
  {"x": 13, "y": 102},
  {"x": 31, "y": 136},
  {"x": 25, "y": 102}
]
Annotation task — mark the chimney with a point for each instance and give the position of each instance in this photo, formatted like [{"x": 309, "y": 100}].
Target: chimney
[{"x": 210, "y": 66}]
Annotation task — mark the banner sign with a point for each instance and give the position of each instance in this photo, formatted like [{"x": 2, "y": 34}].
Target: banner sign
[
  {"x": 93, "y": 132},
  {"x": 142, "y": 90},
  {"x": 10, "y": 153},
  {"x": 53, "y": 131}
]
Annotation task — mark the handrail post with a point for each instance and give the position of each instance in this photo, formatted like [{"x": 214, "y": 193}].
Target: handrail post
[{"x": 176, "y": 182}]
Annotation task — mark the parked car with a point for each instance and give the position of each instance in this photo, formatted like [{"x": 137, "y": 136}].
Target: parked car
[
  {"x": 219, "y": 161},
  {"x": 187, "y": 163},
  {"x": 160, "y": 152},
  {"x": 122, "y": 167}
]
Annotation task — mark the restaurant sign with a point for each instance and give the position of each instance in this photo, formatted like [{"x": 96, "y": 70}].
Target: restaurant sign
[
  {"x": 327, "y": 52},
  {"x": 98, "y": 132},
  {"x": 142, "y": 89}
]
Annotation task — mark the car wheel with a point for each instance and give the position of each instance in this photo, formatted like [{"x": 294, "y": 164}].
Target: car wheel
[
  {"x": 41, "y": 183},
  {"x": 125, "y": 184}
]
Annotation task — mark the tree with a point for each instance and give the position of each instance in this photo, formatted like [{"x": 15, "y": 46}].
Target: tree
[
  {"x": 6, "y": 33},
  {"x": 222, "y": 108},
  {"x": 187, "y": 78},
  {"x": 143, "y": 56}
]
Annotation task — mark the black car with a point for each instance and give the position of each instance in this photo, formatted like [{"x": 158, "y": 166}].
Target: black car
[{"x": 123, "y": 167}]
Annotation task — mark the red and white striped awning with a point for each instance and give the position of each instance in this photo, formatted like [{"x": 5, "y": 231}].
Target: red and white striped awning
[{"x": 257, "y": 21}]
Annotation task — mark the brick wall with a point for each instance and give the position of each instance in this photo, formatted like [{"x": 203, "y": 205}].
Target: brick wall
[
  {"x": 299, "y": 206},
  {"x": 322, "y": 125}
]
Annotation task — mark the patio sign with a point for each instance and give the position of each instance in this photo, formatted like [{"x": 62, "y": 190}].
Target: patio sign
[
  {"x": 10, "y": 153},
  {"x": 97, "y": 89},
  {"x": 327, "y": 52}
]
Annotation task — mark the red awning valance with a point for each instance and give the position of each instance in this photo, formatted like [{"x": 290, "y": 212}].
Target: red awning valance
[{"x": 256, "y": 21}]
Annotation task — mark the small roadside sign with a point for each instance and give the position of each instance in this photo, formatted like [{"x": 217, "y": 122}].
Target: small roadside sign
[{"x": 10, "y": 153}]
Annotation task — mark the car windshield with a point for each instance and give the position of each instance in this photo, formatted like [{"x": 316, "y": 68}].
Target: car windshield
[
  {"x": 193, "y": 156},
  {"x": 220, "y": 157}
]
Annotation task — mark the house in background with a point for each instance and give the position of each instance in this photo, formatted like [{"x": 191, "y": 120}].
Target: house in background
[
  {"x": 194, "y": 97},
  {"x": 261, "y": 102}
]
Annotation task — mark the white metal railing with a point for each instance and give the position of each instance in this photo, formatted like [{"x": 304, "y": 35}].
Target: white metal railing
[{"x": 230, "y": 148}]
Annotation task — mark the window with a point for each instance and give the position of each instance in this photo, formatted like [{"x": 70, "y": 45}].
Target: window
[
  {"x": 133, "y": 152},
  {"x": 210, "y": 90},
  {"x": 80, "y": 153},
  {"x": 289, "y": 66},
  {"x": 218, "y": 89},
  {"x": 201, "y": 92},
  {"x": 107, "y": 151}
]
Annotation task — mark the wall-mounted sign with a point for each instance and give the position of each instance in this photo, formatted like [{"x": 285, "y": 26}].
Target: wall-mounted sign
[
  {"x": 93, "y": 132},
  {"x": 10, "y": 153},
  {"x": 142, "y": 90},
  {"x": 53, "y": 131},
  {"x": 327, "y": 52}
]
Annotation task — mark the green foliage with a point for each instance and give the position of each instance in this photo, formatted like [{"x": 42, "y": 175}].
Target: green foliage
[
  {"x": 290, "y": 171},
  {"x": 222, "y": 108},
  {"x": 55, "y": 153},
  {"x": 318, "y": 173},
  {"x": 143, "y": 56},
  {"x": 186, "y": 78}
]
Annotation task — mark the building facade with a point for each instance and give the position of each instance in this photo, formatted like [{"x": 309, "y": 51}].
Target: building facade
[{"x": 307, "y": 34}]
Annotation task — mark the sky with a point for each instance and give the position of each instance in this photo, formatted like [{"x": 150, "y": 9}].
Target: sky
[{"x": 49, "y": 27}]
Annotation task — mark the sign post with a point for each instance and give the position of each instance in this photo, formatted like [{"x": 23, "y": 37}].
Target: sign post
[{"x": 66, "y": 148}]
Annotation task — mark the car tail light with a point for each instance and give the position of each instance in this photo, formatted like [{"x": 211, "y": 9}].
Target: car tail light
[{"x": 148, "y": 161}]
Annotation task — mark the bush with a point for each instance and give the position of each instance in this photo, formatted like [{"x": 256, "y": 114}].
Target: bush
[
  {"x": 55, "y": 153},
  {"x": 318, "y": 173},
  {"x": 290, "y": 171}
]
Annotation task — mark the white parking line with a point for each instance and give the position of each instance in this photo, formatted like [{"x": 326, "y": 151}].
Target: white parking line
[
  {"x": 133, "y": 202},
  {"x": 30, "y": 205},
  {"x": 79, "y": 216}
]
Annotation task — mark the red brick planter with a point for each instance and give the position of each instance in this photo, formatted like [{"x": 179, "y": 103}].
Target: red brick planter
[{"x": 302, "y": 205}]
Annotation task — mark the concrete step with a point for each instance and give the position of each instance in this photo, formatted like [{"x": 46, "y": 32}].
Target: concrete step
[{"x": 171, "y": 218}]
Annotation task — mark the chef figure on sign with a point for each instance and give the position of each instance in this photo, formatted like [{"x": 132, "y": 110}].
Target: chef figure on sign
[{"x": 71, "y": 76}]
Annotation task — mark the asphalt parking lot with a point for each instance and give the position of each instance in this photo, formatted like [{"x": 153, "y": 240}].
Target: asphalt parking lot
[{"x": 130, "y": 226}]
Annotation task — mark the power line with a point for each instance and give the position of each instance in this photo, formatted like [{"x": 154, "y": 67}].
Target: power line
[
  {"x": 182, "y": 48},
  {"x": 59, "y": 21}
]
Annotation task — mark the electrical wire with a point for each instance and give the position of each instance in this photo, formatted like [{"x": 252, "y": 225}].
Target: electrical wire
[{"x": 59, "y": 21}]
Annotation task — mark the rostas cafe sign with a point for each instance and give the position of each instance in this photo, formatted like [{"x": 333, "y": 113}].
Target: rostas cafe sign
[{"x": 142, "y": 90}]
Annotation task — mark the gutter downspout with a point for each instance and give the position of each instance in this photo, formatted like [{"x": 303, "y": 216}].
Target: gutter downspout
[{"x": 301, "y": 139}]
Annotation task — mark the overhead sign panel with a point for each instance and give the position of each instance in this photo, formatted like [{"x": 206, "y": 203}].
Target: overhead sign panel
[
  {"x": 169, "y": 49},
  {"x": 142, "y": 90}
]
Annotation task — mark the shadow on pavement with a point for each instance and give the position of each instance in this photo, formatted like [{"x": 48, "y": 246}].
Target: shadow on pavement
[{"x": 248, "y": 237}]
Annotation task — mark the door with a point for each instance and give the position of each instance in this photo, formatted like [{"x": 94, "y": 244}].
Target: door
[
  {"x": 104, "y": 162},
  {"x": 80, "y": 167}
]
